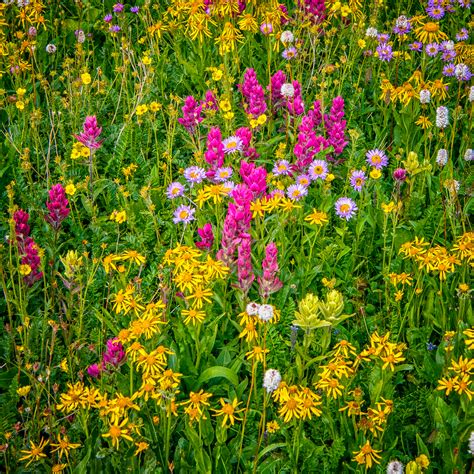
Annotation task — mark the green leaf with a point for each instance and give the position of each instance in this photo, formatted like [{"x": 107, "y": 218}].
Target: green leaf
[
  {"x": 216, "y": 372},
  {"x": 270, "y": 448}
]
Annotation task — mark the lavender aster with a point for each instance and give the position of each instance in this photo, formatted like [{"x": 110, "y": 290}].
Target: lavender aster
[
  {"x": 318, "y": 169},
  {"x": 377, "y": 158},
  {"x": 184, "y": 214},
  {"x": 384, "y": 51},
  {"x": 358, "y": 179},
  {"x": 345, "y": 208},
  {"x": 194, "y": 174},
  {"x": 281, "y": 168},
  {"x": 296, "y": 191},
  {"x": 174, "y": 190}
]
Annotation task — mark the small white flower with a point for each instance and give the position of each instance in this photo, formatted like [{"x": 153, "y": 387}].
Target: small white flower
[
  {"x": 394, "y": 467},
  {"x": 442, "y": 117},
  {"x": 469, "y": 155},
  {"x": 471, "y": 94},
  {"x": 50, "y": 48},
  {"x": 252, "y": 309},
  {"x": 442, "y": 157},
  {"x": 265, "y": 312},
  {"x": 287, "y": 37},
  {"x": 287, "y": 90},
  {"x": 271, "y": 380},
  {"x": 471, "y": 444},
  {"x": 425, "y": 96},
  {"x": 371, "y": 32}
]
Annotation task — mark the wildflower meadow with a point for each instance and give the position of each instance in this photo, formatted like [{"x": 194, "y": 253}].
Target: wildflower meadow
[{"x": 236, "y": 236}]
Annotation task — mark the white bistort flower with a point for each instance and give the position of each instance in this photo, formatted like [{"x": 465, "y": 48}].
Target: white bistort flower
[
  {"x": 271, "y": 380},
  {"x": 265, "y": 312}
]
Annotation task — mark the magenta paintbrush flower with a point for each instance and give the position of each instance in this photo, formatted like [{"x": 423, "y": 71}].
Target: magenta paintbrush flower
[
  {"x": 91, "y": 132},
  {"x": 269, "y": 282},
  {"x": 57, "y": 205}
]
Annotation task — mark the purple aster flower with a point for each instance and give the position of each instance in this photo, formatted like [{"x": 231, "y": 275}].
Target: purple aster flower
[
  {"x": 345, "y": 208},
  {"x": 174, "y": 190},
  {"x": 134, "y": 9},
  {"x": 432, "y": 49},
  {"x": 223, "y": 174},
  {"x": 377, "y": 158},
  {"x": 108, "y": 17},
  {"x": 266, "y": 28},
  {"x": 118, "y": 8},
  {"x": 230, "y": 185},
  {"x": 402, "y": 25},
  {"x": 448, "y": 70},
  {"x": 232, "y": 144},
  {"x": 464, "y": 3},
  {"x": 447, "y": 45},
  {"x": 184, "y": 214},
  {"x": 462, "y": 72},
  {"x": 296, "y": 191},
  {"x": 194, "y": 174},
  {"x": 400, "y": 175},
  {"x": 318, "y": 169},
  {"x": 358, "y": 179},
  {"x": 114, "y": 29},
  {"x": 462, "y": 34},
  {"x": 304, "y": 180},
  {"x": 435, "y": 11},
  {"x": 448, "y": 56},
  {"x": 290, "y": 53},
  {"x": 385, "y": 52},
  {"x": 383, "y": 38},
  {"x": 416, "y": 46},
  {"x": 281, "y": 168}
]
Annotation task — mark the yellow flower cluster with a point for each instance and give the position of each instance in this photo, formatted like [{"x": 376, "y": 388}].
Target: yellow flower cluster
[
  {"x": 382, "y": 349},
  {"x": 152, "y": 107},
  {"x": 193, "y": 276},
  {"x": 458, "y": 379},
  {"x": 79, "y": 151},
  {"x": 437, "y": 259},
  {"x": 296, "y": 402},
  {"x": 113, "y": 261},
  {"x": 214, "y": 192},
  {"x": 411, "y": 89}
]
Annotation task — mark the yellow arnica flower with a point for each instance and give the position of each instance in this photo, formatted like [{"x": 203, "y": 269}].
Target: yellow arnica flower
[
  {"x": 228, "y": 411},
  {"x": 35, "y": 453},
  {"x": 317, "y": 217},
  {"x": 117, "y": 431},
  {"x": 64, "y": 446},
  {"x": 367, "y": 455}
]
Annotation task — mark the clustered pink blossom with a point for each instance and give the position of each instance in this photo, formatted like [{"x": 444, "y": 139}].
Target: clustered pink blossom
[
  {"x": 191, "y": 114},
  {"x": 245, "y": 134},
  {"x": 269, "y": 282},
  {"x": 254, "y": 95},
  {"x": 295, "y": 104},
  {"x": 91, "y": 132},
  {"x": 255, "y": 178},
  {"x": 27, "y": 247},
  {"x": 316, "y": 8},
  {"x": 209, "y": 102},
  {"x": 307, "y": 144},
  {"x": 236, "y": 223},
  {"x": 57, "y": 206},
  {"x": 113, "y": 356},
  {"x": 214, "y": 154},
  {"x": 245, "y": 273},
  {"x": 207, "y": 236},
  {"x": 276, "y": 81},
  {"x": 315, "y": 113},
  {"x": 336, "y": 126}
]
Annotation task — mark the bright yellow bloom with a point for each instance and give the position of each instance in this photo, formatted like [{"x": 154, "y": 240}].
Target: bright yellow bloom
[
  {"x": 317, "y": 217},
  {"x": 24, "y": 391},
  {"x": 35, "y": 453},
  {"x": 116, "y": 431},
  {"x": 64, "y": 446},
  {"x": 141, "y": 446},
  {"x": 257, "y": 353},
  {"x": 199, "y": 296},
  {"x": 367, "y": 455},
  {"x": 193, "y": 316},
  {"x": 228, "y": 411},
  {"x": 290, "y": 409},
  {"x": 86, "y": 78},
  {"x": 461, "y": 385}
]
